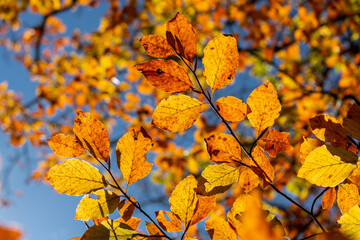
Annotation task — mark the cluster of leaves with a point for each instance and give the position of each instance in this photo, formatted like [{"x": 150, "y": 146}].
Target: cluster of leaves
[{"x": 330, "y": 162}]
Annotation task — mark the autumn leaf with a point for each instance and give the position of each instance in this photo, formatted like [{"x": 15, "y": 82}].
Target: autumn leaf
[
  {"x": 204, "y": 207},
  {"x": 307, "y": 146},
  {"x": 266, "y": 171},
  {"x": 223, "y": 148},
  {"x": 130, "y": 151},
  {"x": 177, "y": 113},
  {"x": 153, "y": 230},
  {"x": 347, "y": 197},
  {"x": 327, "y": 166},
  {"x": 109, "y": 230},
  {"x": 328, "y": 129},
  {"x": 156, "y": 46},
  {"x": 276, "y": 142},
  {"x": 133, "y": 222},
  {"x": 10, "y": 233},
  {"x": 126, "y": 208},
  {"x": 65, "y": 146},
  {"x": 248, "y": 180},
  {"x": 181, "y": 36},
  {"x": 167, "y": 76},
  {"x": 75, "y": 177},
  {"x": 183, "y": 199},
  {"x": 92, "y": 135},
  {"x": 350, "y": 223},
  {"x": 265, "y": 107},
  {"x": 352, "y": 121},
  {"x": 328, "y": 199},
  {"x": 221, "y": 59},
  {"x": 174, "y": 225},
  {"x": 221, "y": 175},
  {"x": 232, "y": 109},
  {"x": 90, "y": 208},
  {"x": 219, "y": 229}
]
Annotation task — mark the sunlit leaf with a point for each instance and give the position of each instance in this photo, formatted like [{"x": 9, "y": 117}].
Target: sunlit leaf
[
  {"x": 307, "y": 146},
  {"x": 350, "y": 223},
  {"x": 223, "y": 148},
  {"x": 90, "y": 208},
  {"x": 327, "y": 166},
  {"x": 75, "y": 177},
  {"x": 177, "y": 113},
  {"x": 156, "y": 46},
  {"x": 232, "y": 109},
  {"x": 221, "y": 59},
  {"x": 328, "y": 199},
  {"x": 204, "y": 207},
  {"x": 167, "y": 76},
  {"x": 265, "y": 107},
  {"x": 174, "y": 225},
  {"x": 183, "y": 199},
  {"x": 65, "y": 146},
  {"x": 248, "y": 180},
  {"x": 130, "y": 151},
  {"x": 126, "y": 208},
  {"x": 10, "y": 233},
  {"x": 276, "y": 142},
  {"x": 347, "y": 197},
  {"x": 263, "y": 161},
  {"x": 219, "y": 229},
  {"x": 181, "y": 36},
  {"x": 92, "y": 135},
  {"x": 219, "y": 176},
  {"x": 153, "y": 230},
  {"x": 109, "y": 230}
]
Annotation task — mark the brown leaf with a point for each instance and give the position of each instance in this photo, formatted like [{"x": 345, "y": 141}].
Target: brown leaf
[
  {"x": 352, "y": 121},
  {"x": 181, "y": 36},
  {"x": 276, "y": 142},
  {"x": 126, "y": 209},
  {"x": 156, "y": 46},
  {"x": 167, "y": 76}
]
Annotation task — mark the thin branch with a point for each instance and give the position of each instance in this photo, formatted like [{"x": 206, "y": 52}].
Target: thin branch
[
  {"x": 317, "y": 197},
  {"x": 186, "y": 229},
  {"x": 308, "y": 237}
]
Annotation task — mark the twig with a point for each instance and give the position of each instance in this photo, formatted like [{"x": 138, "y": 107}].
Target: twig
[{"x": 317, "y": 197}]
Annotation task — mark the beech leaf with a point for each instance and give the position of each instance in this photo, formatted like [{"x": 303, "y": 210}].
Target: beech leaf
[
  {"x": 350, "y": 223},
  {"x": 219, "y": 176},
  {"x": 347, "y": 197},
  {"x": 276, "y": 142},
  {"x": 223, "y": 148},
  {"x": 232, "y": 109},
  {"x": 156, "y": 46},
  {"x": 219, "y": 229},
  {"x": 328, "y": 199},
  {"x": 65, "y": 146},
  {"x": 109, "y": 230},
  {"x": 174, "y": 225}
]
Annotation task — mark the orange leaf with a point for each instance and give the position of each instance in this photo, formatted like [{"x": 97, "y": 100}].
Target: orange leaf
[
  {"x": 65, "y": 146},
  {"x": 156, "y": 46},
  {"x": 183, "y": 199},
  {"x": 181, "y": 36},
  {"x": 177, "y": 113},
  {"x": 92, "y": 135},
  {"x": 262, "y": 160},
  {"x": 174, "y": 225},
  {"x": 232, "y": 109},
  {"x": 126, "y": 209},
  {"x": 204, "y": 207},
  {"x": 265, "y": 107},
  {"x": 352, "y": 121},
  {"x": 153, "y": 230},
  {"x": 130, "y": 151},
  {"x": 223, "y": 148},
  {"x": 167, "y": 76},
  {"x": 347, "y": 197},
  {"x": 221, "y": 59},
  {"x": 276, "y": 142},
  {"x": 248, "y": 180},
  {"x": 219, "y": 229},
  {"x": 328, "y": 129},
  {"x": 328, "y": 199},
  {"x": 9, "y": 233},
  {"x": 133, "y": 222}
]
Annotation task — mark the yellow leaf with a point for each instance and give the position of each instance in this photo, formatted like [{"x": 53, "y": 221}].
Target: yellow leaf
[
  {"x": 265, "y": 107},
  {"x": 221, "y": 60},
  {"x": 92, "y": 135},
  {"x": 204, "y": 207},
  {"x": 109, "y": 230},
  {"x": 232, "y": 109},
  {"x": 65, "y": 146},
  {"x": 307, "y": 146},
  {"x": 167, "y": 76},
  {"x": 174, "y": 225},
  {"x": 130, "y": 151},
  {"x": 90, "y": 208},
  {"x": 276, "y": 142},
  {"x": 263, "y": 161},
  {"x": 347, "y": 197},
  {"x": 223, "y": 148},
  {"x": 327, "y": 166},
  {"x": 183, "y": 199},
  {"x": 219, "y": 176},
  {"x": 75, "y": 177},
  {"x": 350, "y": 223},
  {"x": 328, "y": 199},
  {"x": 177, "y": 113},
  {"x": 219, "y": 229},
  {"x": 352, "y": 121},
  {"x": 156, "y": 46},
  {"x": 248, "y": 180},
  {"x": 181, "y": 36}
]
